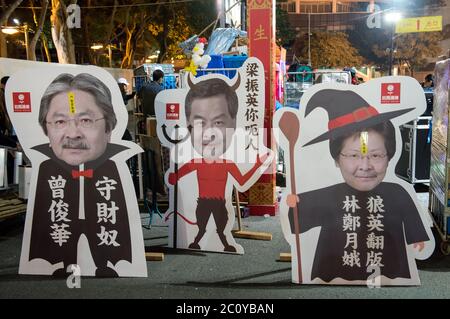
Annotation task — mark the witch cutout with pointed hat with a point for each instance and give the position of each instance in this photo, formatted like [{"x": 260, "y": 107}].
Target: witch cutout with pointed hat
[{"x": 367, "y": 225}]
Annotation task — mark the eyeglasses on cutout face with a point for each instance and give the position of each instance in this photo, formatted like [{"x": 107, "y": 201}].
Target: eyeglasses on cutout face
[
  {"x": 84, "y": 122},
  {"x": 358, "y": 157}
]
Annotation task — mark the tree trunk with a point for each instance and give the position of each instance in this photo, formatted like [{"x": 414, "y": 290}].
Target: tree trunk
[
  {"x": 39, "y": 25},
  {"x": 44, "y": 41},
  {"x": 127, "y": 59},
  {"x": 5, "y": 16},
  {"x": 163, "y": 42},
  {"x": 88, "y": 54},
  {"x": 133, "y": 36},
  {"x": 129, "y": 33},
  {"x": 109, "y": 32},
  {"x": 134, "y": 42},
  {"x": 62, "y": 37},
  {"x": 412, "y": 69},
  {"x": 87, "y": 43},
  {"x": 111, "y": 24},
  {"x": 3, "y": 47}
]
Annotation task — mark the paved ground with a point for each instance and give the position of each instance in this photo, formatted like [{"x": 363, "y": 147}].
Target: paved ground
[{"x": 187, "y": 275}]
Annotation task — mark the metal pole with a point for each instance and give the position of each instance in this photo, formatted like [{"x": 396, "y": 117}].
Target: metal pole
[
  {"x": 309, "y": 39},
  {"x": 175, "y": 211},
  {"x": 391, "y": 53},
  {"x": 222, "y": 13},
  {"x": 238, "y": 209},
  {"x": 243, "y": 15}
]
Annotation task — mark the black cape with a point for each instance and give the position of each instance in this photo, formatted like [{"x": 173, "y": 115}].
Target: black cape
[
  {"x": 325, "y": 207},
  {"x": 42, "y": 245}
]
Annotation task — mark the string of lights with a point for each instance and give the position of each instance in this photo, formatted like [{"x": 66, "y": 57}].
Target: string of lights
[{"x": 122, "y": 5}]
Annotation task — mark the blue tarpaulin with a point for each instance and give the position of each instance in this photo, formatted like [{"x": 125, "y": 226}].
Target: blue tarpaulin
[{"x": 221, "y": 40}]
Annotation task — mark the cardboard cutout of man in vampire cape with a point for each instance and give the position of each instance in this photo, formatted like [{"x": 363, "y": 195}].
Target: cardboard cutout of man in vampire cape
[
  {"x": 78, "y": 210},
  {"x": 219, "y": 148},
  {"x": 347, "y": 217}
]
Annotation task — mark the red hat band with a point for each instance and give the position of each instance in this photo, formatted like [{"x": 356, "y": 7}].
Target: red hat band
[{"x": 357, "y": 115}]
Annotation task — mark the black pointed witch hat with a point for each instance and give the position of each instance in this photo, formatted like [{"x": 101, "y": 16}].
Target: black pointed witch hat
[{"x": 347, "y": 112}]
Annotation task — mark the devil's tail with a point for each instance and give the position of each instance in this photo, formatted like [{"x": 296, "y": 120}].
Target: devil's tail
[{"x": 182, "y": 216}]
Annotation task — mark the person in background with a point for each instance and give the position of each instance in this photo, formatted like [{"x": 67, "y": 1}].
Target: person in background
[
  {"x": 7, "y": 135},
  {"x": 123, "y": 85},
  {"x": 5, "y": 122},
  {"x": 354, "y": 77},
  {"x": 148, "y": 92},
  {"x": 429, "y": 81}
]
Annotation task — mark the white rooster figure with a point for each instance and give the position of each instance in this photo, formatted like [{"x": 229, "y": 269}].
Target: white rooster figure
[{"x": 198, "y": 58}]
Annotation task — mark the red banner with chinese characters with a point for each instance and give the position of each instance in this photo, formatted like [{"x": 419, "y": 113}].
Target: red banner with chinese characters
[{"x": 261, "y": 34}]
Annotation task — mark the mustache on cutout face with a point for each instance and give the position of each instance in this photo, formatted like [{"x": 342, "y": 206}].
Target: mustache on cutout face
[{"x": 75, "y": 144}]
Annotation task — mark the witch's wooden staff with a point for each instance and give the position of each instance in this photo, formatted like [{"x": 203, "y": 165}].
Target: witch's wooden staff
[{"x": 290, "y": 127}]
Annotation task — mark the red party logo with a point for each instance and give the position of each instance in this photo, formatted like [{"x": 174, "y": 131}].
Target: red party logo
[
  {"x": 172, "y": 111},
  {"x": 390, "y": 93},
  {"x": 21, "y": 102}
]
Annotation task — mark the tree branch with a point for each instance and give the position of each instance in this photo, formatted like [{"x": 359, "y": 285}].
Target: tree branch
[
  {"x": 111, "y": 25},
  {"x": 39, "y": 25},
  {"x": 5, "y": 16}
]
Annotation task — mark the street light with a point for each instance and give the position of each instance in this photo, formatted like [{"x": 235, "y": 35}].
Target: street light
[
  {"x": 13, "y": 30},
  {"x": 99, "y": 46},
  {"x": 392, "y": 17},
  {"x": 10, "y": 30}
]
